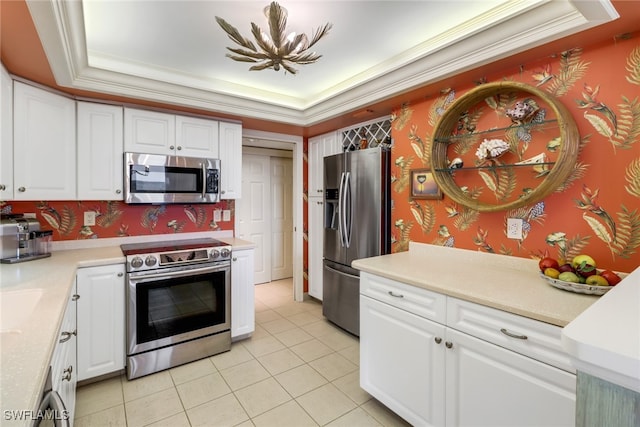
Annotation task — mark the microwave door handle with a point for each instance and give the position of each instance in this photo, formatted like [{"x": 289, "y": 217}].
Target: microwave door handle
[{"x": 204, "y": 180}]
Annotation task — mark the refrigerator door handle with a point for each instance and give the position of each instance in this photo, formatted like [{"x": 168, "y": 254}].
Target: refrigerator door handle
[
  {"x": 341, "y": 272},
  {"x": 348, "y": 220},
  {"x": 341, "y": 211}
]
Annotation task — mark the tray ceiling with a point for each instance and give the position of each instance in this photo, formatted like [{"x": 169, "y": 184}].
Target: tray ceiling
[{"x": 174, "y": 51}]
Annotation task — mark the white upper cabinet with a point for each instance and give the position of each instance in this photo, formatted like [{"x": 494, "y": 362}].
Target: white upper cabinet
[
  {"x": 44, "y": 161},
  {"x": 197, "y": 137},
  {"x": 230, "y": 160},
  {"x": 152, "y": 132},
  {"x": 320, "y": 147},
  {"x": 100, "y": 151},
  {"x": 149, "y": 132},
  {"x": 6, "y": 136}
]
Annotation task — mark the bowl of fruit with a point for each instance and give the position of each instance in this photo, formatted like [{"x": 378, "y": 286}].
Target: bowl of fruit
[{"x": 580, "y": 275}]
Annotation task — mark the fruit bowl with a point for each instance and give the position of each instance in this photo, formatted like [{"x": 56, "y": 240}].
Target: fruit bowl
[{"x": 579, "y": 288}]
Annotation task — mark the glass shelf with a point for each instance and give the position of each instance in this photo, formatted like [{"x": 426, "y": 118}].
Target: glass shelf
[
  {"x": 528, "y": 126},
  {"x": 507, "y": 166}
]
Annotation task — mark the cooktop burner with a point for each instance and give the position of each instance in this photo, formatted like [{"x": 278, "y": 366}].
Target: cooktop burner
[{"x": 174, "y": 253}]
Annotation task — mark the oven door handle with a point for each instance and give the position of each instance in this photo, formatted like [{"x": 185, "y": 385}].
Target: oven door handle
[{"x": 173, "y": 274}]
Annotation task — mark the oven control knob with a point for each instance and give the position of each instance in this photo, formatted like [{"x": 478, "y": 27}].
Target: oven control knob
[
  {"x": 225, "y": 253},
  {"x": 215, "y": 253},
  {"x": 136, "y": 262},
  {"x": 150, "y": 261}
]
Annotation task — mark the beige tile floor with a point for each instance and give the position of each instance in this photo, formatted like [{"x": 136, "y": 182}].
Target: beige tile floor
[{"x": 296, "y": 370}]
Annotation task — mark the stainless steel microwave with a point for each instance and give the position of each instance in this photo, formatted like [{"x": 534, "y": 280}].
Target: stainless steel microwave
[{"x": 158, "y": 179}]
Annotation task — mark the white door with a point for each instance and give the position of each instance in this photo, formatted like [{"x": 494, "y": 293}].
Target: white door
[
  {"x": 254, "y": 209},
  {"x": 281, "y": 218}
]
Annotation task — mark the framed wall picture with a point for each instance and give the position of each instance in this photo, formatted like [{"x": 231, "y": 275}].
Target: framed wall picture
[{"x": 423, "y": 186}]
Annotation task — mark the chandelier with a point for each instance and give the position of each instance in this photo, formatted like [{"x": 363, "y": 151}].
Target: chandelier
[{"x": 277, "y": 48}]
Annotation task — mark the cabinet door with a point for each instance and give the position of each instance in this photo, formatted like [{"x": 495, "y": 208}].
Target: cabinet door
[
  {"x": 402, "y": 362},
  {"x": 230, "y": 160},
  {"x": 316, "y": 239},
  {"x": 489, "y": 385},
  {"x": 197, "y": 137},
  {"x": 100, "y": 149},
  {"x": 242, "y": 294},
  {"x": 149, "y": 132},
  {"x": 64, "y": 375},
  {"x": 44, "y": 145},
  {"x": 101, "y": 320},
  {"x": 6, "y": 136}
]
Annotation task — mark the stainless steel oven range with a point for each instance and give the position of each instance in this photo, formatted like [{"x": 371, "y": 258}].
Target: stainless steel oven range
[{"x": 178, "y": 303}]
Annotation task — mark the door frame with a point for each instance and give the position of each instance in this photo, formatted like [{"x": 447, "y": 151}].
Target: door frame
[{"x": 256, "y": 138}]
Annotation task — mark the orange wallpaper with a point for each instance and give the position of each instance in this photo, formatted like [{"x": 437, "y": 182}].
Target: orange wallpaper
[
  {"x": 597, "y": 211},
  {"x": 116, "y": 219}
]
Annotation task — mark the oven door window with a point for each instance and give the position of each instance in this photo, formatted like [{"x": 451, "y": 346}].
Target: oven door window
[
  {"x": 174, "y": 306},
  {"x": 165, "y": 179}
]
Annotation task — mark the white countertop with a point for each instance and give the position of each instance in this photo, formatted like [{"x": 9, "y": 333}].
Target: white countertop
[
  {"x": 27, "y": 346},
  {"x": 504, "y": 282},
  {"x": 604, "y": 341},
  {"x": 26, "y": 350}
]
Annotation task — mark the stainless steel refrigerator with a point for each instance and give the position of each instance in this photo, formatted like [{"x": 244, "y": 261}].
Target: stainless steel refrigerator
[{"x": 357, "y": 222}]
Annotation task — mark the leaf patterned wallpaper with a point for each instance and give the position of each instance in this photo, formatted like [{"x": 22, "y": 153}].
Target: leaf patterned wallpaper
[
  {"x": 596, "y": 211},
  {"x": 117, "y": 219}
]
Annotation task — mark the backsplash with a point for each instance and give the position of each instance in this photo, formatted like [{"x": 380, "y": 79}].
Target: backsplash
[{"x": 117, "y": 219}]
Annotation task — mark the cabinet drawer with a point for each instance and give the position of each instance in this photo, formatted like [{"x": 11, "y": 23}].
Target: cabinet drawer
[
  {"x": 418, "y": 301},
  {"x": 509, "y": 330}
]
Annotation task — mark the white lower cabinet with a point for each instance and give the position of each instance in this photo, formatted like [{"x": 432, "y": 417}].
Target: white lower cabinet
[
  {"x": 316, "y": 249},
  {"x": 242, "y": 294},
  {"x": 64, "y": 375},
  {"x": 101, "y": 320},
  {"x": 415, "y": 360}
]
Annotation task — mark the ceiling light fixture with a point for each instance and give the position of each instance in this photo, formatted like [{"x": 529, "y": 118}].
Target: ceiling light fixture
[{"x": 277, "y": 49}]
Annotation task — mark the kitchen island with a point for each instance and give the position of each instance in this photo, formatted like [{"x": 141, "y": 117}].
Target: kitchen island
[{"x": 460, "y": 337}]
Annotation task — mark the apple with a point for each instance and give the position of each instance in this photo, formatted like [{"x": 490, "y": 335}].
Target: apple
[
  {"x": 568, "y": 276},
  {"x": 582, "y": 258},
  {"x": 566, "y": 267},
  {"x": 585, "y": 270},
  {"x": 596, "y": 280},
  {"x": 611, "y": 277},
  {"x": 547, "y": 262}
]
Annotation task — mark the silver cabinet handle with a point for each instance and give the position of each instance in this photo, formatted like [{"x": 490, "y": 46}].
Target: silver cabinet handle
[
  {"x": 3, "y": 187},
  {"x": 66, "y": 336},
  {"x": 22, "y": 189},
  {"x": 512, "y": 335},
  {"x": 438, "y": 340},
  {"x": 75, "y": 297},
  {"x": 171, "y": 147},
  {"x": 448, "y": 344},
  {"x": 235, "y": 258},
  {"x": 319, "y": 203},
  {"x": 120, "y": 274},
  {"x": 179, "y": 147},
  {"x": 118, "y": 191},
  {"x": 396, "y": 295},
  {"x": 66, "y": 376},
  {"x": 319, "y": 191},
  {"x": 222, "y": 192}
]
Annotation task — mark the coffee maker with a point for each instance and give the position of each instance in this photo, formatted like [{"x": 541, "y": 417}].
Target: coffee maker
[{"x": 21, "y": 239}]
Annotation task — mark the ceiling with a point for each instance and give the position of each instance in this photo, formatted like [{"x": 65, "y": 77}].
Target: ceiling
[{"x": 173, "y": 52}]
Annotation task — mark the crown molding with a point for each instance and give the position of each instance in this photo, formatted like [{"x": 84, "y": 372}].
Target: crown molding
[{"x": 521, "y": 25}]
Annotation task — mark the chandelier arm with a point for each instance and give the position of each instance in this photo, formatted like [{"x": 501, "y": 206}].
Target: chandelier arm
[
  {"x": 234, "y": 35},
  {"x": 263, "y": 66},
  {"x": 304, "y": 58},
  {"x": 277, "y": 24},
  {"x": 265, "y": 44},
  {"x": 320, "y": 33},
  {"x": 256, "y": 55},
  {"x": 288, "y": 68},
  {"x": 290, "y": 46},
  {"x": 241, "y": 58}
]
